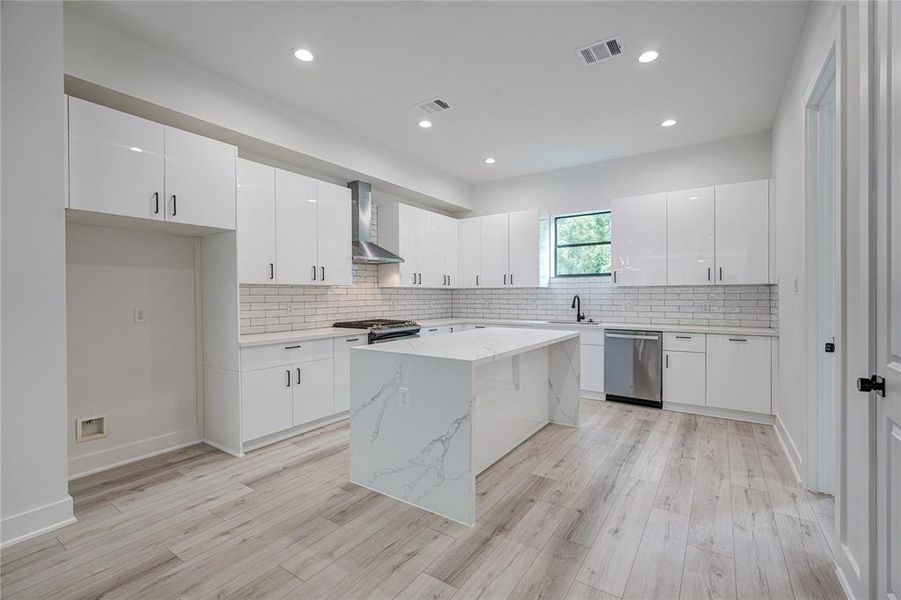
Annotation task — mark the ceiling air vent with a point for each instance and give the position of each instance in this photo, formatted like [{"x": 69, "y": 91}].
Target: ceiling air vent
[
  {"x": 435, "y": 105},
  {"x": 600, "y": 51}
]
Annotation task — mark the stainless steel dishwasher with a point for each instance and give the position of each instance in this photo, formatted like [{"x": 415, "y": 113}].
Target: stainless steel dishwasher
[{"x": 632, "y": 366}]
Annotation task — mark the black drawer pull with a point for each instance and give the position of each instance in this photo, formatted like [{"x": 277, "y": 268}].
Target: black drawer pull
[
  {"x": 352, "y": 340},
  {"x": 738, "y": 339},
  {"x": 435, "y": 329},
  {"x": 683, "y": 337},
  {"x": 292, "y": 347}
]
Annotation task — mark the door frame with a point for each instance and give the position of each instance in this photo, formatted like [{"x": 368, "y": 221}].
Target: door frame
[{"x": 820, "y": 408}]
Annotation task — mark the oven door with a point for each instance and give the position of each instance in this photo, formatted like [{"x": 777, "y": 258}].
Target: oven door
[{"x": 392, "y": 338}]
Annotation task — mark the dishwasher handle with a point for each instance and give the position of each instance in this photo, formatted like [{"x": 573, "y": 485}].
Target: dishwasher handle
[{"x": 626, "y": 336}]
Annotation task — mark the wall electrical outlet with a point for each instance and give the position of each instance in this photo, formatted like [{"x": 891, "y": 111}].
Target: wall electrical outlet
[
  {"x": 139, "y": 314},
  {"x": 403, "y": 397}
]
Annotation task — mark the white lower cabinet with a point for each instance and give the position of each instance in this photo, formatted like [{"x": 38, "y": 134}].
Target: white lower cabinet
[
  {"x": 284, "y": 386},
  {"x": 684, "y": 375},
  {"x": 266, "y": 401},
  {"x": 342, "y": 369},
  {"x": 592, "y": 368},
  {"x": 314, "y": 390},
  {"x": 739, "y": 373}
]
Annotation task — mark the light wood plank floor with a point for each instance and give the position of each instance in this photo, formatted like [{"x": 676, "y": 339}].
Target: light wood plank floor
[{"x": 637, "y": 503}]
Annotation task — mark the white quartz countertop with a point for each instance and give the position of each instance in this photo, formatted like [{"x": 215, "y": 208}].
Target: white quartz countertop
[
  {"x": 476, "y": 345},
  {"x": 284, "y": 337},
  {"x": 601, "y": 325}
]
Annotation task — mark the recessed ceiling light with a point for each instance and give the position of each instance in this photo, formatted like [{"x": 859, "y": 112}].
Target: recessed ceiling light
[
  {"x": 490, "y": 160},
  {"x": 668, "y": 123},
  {"x": 425, "y": 123},
  {"x": 303, "y": 55},
  {"x": 648, "y": 56}
]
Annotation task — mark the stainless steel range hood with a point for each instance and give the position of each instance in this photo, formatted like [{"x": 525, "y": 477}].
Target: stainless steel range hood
[{"x": 364, "y": 249}]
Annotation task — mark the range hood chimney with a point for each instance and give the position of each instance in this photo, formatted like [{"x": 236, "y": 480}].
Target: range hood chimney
[{"x": 364, "y": 250}]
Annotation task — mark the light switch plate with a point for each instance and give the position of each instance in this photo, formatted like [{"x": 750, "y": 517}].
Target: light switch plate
[{"x": 139, "y": 314}]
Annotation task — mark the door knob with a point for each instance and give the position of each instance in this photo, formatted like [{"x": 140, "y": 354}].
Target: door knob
[{"x": 874, "y": 383}]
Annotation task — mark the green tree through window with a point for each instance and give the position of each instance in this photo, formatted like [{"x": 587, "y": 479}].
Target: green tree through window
[{"x": 582, "y": 245}]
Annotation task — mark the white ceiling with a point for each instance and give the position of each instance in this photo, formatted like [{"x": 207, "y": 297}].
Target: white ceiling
[{"x": 510, "y": 71}]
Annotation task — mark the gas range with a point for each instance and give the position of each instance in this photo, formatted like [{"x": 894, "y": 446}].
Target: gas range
[{"x": 383, "y": 330}]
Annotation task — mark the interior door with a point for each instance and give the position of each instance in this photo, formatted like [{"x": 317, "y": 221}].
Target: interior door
[
  {"x": 334, "y": 235},
  {"x": 495, "y": 251},
  {"x": 470, "y": 252},
  {"x": 888, "y": 301},
  {"x": 115, "y": 162},
  {"x": 523, "y": 227},
  {"x": 256, "y": 223},
  {"x": 690, "y": 237},
  {"x": 638, "y": 240},
  {"x": 200, "y": 180},
  {"x": 296, "y": 229},
  {"x": 742, "y": 232}
]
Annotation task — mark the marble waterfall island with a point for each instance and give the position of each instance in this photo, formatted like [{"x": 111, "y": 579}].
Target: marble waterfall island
[{"x": 429, "y": 414}]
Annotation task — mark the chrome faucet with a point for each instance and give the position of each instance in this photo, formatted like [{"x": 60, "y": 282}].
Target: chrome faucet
[{"x": 577, "y": 304}]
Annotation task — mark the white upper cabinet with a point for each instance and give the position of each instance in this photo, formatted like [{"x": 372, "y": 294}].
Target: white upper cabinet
[
  {"x": 524, "y": 248},
  {"x": 690, "y": 237},
  {"x": 447, "y": 239},
  {"x": 470, "y": 252},
  {"x": 495, "y": 253},
  {"x": 333, "y": 219},
  {"x": 123, "y": 165},
  {"x": 742, "y": 232},
  {"x": 256, "y": 222},
  {"x": 200, "y": 180},
  {"x": 638, "y": 240},
  {"x": 428, "y": 242},
  {"x": 429, "y": 253},
  {"x": 296, "y": 229},
  {"x": 115, "y": 162}
]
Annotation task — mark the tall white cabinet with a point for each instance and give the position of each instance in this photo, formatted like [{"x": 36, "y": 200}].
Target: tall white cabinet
[
  {"x": 690, "y": 242},
  {"x": 500, "y": 250},
  {"x": 742, "y": 232},
  {"x": 428, "y": 243},
  {"x": 638, "y": 241},
  {"x": 292, "y": 229},
  {"x": 126, "y": 166}
]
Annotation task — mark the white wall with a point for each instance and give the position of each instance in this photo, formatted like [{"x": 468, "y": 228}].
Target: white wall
[
  {"x": 105, "y": 57},
  {"x": 142, "y": 377},
  {"x": 33, "y": 491},
  {"x": 591, "y": 187}
]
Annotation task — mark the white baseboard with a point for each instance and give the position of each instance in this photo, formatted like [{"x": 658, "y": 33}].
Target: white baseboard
[
  {"x": 86, "y": 464},
  {"x": 789, "y": 449},
  {"x": 34, "y": 522},
  {"x": 723, "y": 413},
  {"x": 219, "y": 446}
]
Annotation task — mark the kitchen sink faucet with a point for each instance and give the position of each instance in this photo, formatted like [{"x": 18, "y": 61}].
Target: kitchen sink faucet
[{"x": 577, "y": 304}]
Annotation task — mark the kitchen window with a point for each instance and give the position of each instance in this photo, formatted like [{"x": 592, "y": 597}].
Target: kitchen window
[{"x": 582, "y": 245}]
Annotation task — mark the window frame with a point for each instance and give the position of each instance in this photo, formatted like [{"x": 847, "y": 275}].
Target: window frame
[{"x": 581, "y": 244}]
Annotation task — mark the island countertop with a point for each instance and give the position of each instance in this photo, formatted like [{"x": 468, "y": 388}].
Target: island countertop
[{"x": 476, "y": 346}]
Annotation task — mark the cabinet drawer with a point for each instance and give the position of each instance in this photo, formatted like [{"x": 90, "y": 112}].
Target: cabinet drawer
[
  {"x": 685, "y": 342},
  {"x": 261, "y": 357},
  {"x": 594, "y": 337}
]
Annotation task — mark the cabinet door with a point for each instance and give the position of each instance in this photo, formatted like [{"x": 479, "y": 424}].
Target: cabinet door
[
  {"x": 256, "y": 223},
  {"x": 342, "y": 369},
  {"x": 408, "y": 223},
  {"x": 429, "y": 252},
  {"x": 448, "y": 247},
  {"x": 690, "y": 237},
  {"x": 738, "y": 372},
  {"x": 638, "y": 240},
  {"x": 684, "y": 376},
  {"x": 115, "y": 162},
  {"x": 742, "y": 232},
  {"x": 495, "y": 251},
  {"x": 314, "y": 390},
  {"x": 523, "y": 227},
  {"x": 470, "y": 252},
  {"x": 334, "y": 235},
  {"x": 266, "y": 401},
  {"x": 592, "y": 368},
  {"x": 296, "y": 229},
  {"x": 200, "y": 180}
]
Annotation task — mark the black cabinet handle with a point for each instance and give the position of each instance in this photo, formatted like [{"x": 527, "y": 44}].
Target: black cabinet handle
[
  {"x": 708, "y": 274},
  {"x": 477, "y": 280},
  {"x": 414, "y": 278},
  {"x": 614, "y": 276},
  {"x": 314, "y": 272},
  {"x": 666, "y": 360},
  {"x": 174, "y": 205},
  {"x": 448, "y": 280},
  {"x": 738, "y": 339},
  {"x": 271, "y": 270},
  {"x": 435, "y": 329},
  {"x": 511, "y": 278},
  {"x": 352, "y": 340},
  {"x": 322, "y": 273},
  {"x": 288, "y": 373},
  {"x": 505, "y": 279},
  {"x": 292, "y": 347},
  {"x": 298, "y": 375},
  {"x": 683, "y": 337},
  {"x": 156, "y": 203},
  {"x": 721, "y": 273}
]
